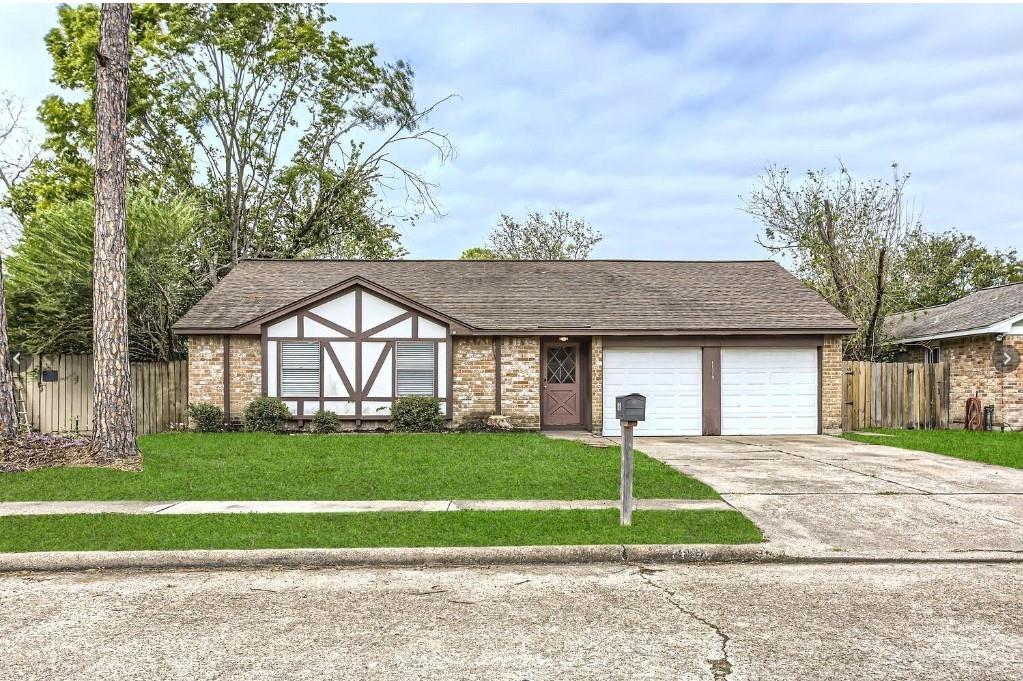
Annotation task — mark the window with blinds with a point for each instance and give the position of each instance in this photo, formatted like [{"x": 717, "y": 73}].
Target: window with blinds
[
  {"x": 300, "y": 369},
  {"x": 415, "y": 368}
]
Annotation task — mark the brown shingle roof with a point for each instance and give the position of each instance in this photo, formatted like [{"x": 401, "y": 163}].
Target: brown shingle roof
[
  {"x": 977, "y": 310},
  {"x": 527, "y": 295}
]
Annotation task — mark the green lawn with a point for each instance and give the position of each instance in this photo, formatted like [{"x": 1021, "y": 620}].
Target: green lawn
[
  {"x": 255, "y": 466},
  {"x": 318, "y": 530},
  {"x": 1003, "y": 449}
]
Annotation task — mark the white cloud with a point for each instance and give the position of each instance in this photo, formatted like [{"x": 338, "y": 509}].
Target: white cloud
[{"x": 650, "y": 121}]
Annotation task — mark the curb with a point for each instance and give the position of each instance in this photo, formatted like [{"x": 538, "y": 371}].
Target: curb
[{"x": 694, "y": 554}]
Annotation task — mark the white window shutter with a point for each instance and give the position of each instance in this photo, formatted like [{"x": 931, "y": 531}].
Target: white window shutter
[
  {"x": 300, "y": 369},
  {"x": 415, "y": 367}
]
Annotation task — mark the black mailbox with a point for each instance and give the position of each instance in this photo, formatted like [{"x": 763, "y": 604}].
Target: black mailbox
[{"x": 630, "y": 407}]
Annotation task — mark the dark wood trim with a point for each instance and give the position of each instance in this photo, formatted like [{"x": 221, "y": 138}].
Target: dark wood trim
[
  {"x": 348, "y": 333},
  {"x": 321, "y": 373},
  {"x": 300, "y": 326},
  {"x": 358, "y": 353},
  {"x": 227, "y": 380},
  {"x": 780, "y": 341},
  {"x": 415, "y": 326},
  {"x": 264, "y": 361},
  {"x": 449, "y": 351},
  {"x": 388, "y": 347},
  {"x": 357, "y": 283},
  {"x": 252, "y": 329},
  {"x": 820, "y": 389},
  {"x": 367, "y": 335},
  {"x": 498, "y": 340},
  {"x": 710, "y": 389},
  {"x": 336, "y": 361}
]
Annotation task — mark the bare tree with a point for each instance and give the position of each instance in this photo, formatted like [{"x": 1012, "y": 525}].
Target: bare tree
[
  {"x": 113, "y": 422},
  {"x": 843, "y": 237},
  {"x": 558, "y": 236},
  {"x": 17, "y": 153}
]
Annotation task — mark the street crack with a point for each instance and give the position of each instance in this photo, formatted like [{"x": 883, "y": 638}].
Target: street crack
[{"x": 720, "y": 667}]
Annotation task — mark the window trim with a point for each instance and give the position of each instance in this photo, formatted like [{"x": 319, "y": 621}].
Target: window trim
[
  {"x": 433, "y": 350},
  {"x": 280, "y": 369}
]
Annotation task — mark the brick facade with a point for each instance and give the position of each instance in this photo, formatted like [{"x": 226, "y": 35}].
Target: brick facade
[
  {"x": 520, "y": 380},
  {"x": 831, "y": 385},
  {"x": 972, "y": 372},
  {"x": 246, "y": 372},
  {"x": 206, "y": 371},
  {"x": 472, "y": 381},
  {"x": 597, "y": 383}
]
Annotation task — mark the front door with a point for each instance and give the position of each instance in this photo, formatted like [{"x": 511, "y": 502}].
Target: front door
[{"x": 561, "y": 385}]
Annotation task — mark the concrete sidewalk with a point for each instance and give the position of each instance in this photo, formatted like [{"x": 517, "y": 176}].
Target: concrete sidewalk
[{"x": 12, "y": 508}]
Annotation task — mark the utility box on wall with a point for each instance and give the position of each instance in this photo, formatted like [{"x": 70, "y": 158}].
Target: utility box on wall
[{"x": 630, "y": 407}]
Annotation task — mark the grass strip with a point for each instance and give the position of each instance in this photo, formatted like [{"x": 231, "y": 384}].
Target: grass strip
[
  {"x": 111, "y": 532},
  {"x": 259, "y": 466},
  {"x": 1001, "y": 449}
]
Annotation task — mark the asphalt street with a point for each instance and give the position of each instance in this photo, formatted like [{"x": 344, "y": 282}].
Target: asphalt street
[{"x": 865, "y": 621}]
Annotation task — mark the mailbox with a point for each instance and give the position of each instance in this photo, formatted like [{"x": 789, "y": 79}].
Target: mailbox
[{"x": 630, "y": 407}]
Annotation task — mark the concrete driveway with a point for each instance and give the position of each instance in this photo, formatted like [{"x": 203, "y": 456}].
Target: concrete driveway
[{"x": 818, "y": 495}]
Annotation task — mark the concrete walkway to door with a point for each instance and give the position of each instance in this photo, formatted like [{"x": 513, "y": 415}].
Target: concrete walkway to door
[{"x": 821, "y": 496}]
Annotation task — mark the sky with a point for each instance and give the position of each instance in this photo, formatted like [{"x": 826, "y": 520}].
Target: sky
[{"x": 652, "y": 121}]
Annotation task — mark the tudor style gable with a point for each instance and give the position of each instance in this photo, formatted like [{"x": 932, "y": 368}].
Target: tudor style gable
[{"x": 353, "y": 353}]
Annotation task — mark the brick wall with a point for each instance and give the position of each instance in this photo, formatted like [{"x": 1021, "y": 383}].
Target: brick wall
[
  {"x": 831, "y": 385},
  {"x": 972, "y": 372},
  {"x": 520, "y": 380},
  {"x": 206, "y": 370},
  {"x": 597, "y": 383},
  {"x": 246, "y": 372},
  {"x": 473, "y": 381},
  {"x": 472, "y": 384}
]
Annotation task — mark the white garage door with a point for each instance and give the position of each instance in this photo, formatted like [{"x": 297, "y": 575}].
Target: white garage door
[
  {"x": 670, "y": 379},
  {"x": 768, "y": 391}
]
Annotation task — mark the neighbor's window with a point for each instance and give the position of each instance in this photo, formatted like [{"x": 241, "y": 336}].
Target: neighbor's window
[
  {"x": 300, "y": 369},
  {"x": 935, "y": 355},
  {"x": 415, "y": 367}
]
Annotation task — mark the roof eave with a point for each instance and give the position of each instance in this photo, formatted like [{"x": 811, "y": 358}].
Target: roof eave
[{"x": 1004, "y": 326}]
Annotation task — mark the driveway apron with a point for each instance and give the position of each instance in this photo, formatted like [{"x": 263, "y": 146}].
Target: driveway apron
[{"x": 819, "y": 495}]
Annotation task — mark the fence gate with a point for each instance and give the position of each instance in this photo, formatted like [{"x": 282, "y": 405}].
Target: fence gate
[
  {"x": 58, "y": 393},
  {"x": 895, "y": 395}
]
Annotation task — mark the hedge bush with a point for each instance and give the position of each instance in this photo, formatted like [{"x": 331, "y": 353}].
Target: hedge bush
[
  {"x": 415, "y": 414},
  {"x": 266, "y": 415},
  {"x": 208, "y": 418},
  {"x": 325, "y": 422}
]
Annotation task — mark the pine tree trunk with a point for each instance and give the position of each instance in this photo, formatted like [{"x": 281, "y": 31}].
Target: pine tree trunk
[
  {"x": 8, "y": 410},
  {"x": 113, "y": 421}
]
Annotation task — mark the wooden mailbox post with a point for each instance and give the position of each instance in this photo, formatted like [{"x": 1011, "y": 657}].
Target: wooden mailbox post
[{"x": 630, "y": 410}]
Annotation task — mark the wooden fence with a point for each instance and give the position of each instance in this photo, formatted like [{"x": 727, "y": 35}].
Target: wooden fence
[
  {"x": 62, "y": 402},
  {"x": 895, "y": 395}
]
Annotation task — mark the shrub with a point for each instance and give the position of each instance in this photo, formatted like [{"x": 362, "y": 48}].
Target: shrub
[
  {"x": 325, "y": 422},
  {"x": 208, "y": 418},
  {"x": 415, "y": 414},
  {"x": 266, "y": 415}
]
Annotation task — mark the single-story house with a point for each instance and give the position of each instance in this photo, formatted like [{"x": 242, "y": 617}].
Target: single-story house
[
  {"x": 717, "y": 347},
  {"x": 980, "y": 336}
]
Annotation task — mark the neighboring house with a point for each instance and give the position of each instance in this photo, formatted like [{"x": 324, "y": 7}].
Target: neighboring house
[
  {"x": 980, "y": 336},
  {"x": 717, "y": 347}
]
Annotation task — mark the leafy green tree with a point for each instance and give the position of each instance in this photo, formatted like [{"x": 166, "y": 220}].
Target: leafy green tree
[
  {"x": 478, "y": 253},
  {"x": 942, "y": 267},
  {"x": 843, "y": 236},
  {"x": 557, "y": 236},
  {"x": 49, "y": 283},
  {"x": 282, "y": 129}
]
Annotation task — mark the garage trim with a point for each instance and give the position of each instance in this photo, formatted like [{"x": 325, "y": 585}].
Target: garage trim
[{"x": 710, "y": 347}]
